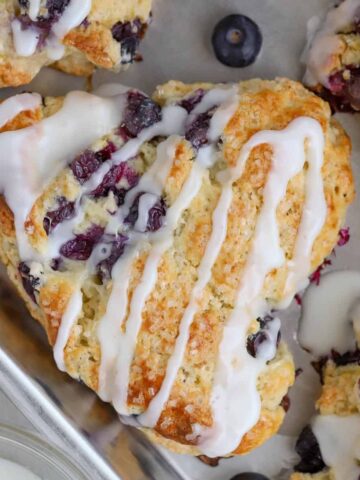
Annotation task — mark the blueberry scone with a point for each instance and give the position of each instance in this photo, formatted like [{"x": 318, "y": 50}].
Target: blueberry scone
[
  {"x": 74, "y": 35},
  {"x": 333, "y": 57},
  {"x": 152, "y": 237},
  {"x": 329, "y": 447}
]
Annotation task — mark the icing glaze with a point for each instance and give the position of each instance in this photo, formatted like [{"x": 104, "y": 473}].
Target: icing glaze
[
  {"x": 26, "y": 40},
  {"x": 72, "y": 311},
  {"x": 325, "y": 42},
  {"x": 235, "y": 378},
  {"x": 339, "y": 441},
  {"x": 236, "y": 374},
  {"x": 34, "y": 8},
  {"x": 53, "y": 145},
  {"x": 330, "y": 313}
]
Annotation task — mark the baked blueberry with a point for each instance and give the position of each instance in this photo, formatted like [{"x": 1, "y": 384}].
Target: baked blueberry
[
  {"x": 249, "y": 476},
  {"x": 236, "y": 41}
]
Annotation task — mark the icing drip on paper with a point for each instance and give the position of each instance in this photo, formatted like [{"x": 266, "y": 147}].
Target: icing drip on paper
[{"x": 329, "y": 314}]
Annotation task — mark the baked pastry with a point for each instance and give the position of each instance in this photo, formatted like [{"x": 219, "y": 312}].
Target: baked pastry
[
  {"x": 328, "y": 448},
  {"x": 153, "y": 243},
  {"x": 333, "y": 57},
  {"x": 74, "y": 35}
]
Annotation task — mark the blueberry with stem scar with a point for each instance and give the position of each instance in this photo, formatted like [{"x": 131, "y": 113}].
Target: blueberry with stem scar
[{"x": 236, "y": 41}]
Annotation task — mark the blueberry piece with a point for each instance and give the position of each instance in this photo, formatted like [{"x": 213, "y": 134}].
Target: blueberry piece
[
  {"x": 85, "y": 164},
  {"x": 156, "y": 214},
  {"x": 82, "y": 245},
  {"x": 236, "y": 41},
  {"x": 140, "y": 112},
  {"x": 117, "y": 249},
  {"x": 64, "y": 211},
  {"x": 190, "y": 102},
  {"x": 307, "y": 447},
  {"x": 196, "y": 132},
  {"x": 249, "y": 476},
  {"x": 29, "y": 282}
]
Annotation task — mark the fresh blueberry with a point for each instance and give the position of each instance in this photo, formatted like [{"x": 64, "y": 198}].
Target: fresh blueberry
[
  {"x": 236, "y": 41},
  {"x": 249, "y": 476}
]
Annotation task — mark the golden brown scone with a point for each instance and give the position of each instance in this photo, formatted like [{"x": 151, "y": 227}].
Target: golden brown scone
[
  {"x": 333, "y": 59},
  {"x": 262, "y": 105},
  {"x": 340, "y": 397},
  {"x": 106, "y": 37}
]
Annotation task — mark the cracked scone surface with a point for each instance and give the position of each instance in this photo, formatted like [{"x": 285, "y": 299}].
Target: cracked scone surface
[
  {"x": 107, "y": 36},
  {"x": 262, "y": 105}
]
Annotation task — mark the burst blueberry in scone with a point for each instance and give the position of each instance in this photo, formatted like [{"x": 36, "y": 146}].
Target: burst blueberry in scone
[
  {"x": 75, "y": 36},
  {"x": 328, "y": 447},
  {"x": 153, "y": 243},
  {"x": 333, "y": 57}
]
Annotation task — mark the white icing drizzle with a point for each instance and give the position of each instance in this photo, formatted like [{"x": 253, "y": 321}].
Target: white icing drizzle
[
  {"x": 34, "y": 8},
  {"x": 219, "y": 228},
  {"x": 39, "y": 152},
  {"x": 146, "y": 203},
  {"x": 339, "y": 441},
  {"x": 234, "y": 390},
  {"x": 26, "y": 39},
  {"x": 328, "y": 311},
  {"x": 109, "y": 330},
  {"x": 128, "y": 341},
  {"x": 267, "y": 349},
  {"x": 72, "y": 312},
  {"x": 325, "y": 42},
  {"x": 151, "y": 416},
  {"x": 12, "y": 106},
  {"x": 53, "y": 145},
  {"x": 73, "y": 15}
]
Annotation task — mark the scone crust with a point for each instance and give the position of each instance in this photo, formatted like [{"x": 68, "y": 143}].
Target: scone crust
[
  {"x": 262, "y": 105},
  {"x": 88, "y": 46}
]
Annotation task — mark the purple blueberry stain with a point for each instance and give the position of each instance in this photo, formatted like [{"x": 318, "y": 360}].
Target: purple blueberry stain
[
  {"x": 81, "y": 246},
  {"x": 194, "y": 99},
  {"x": 156, "y": 214},
  {"x": 196, "y": 132},
  {"x": 30, "y": 282},
  {"x": 140, "y": 112},
  {"x": 87, "y": 163},
  {"x": 343, "y": 92},
  {"x": 117, "y": 247},
  {"x": 112, "y": 178},
  {"x": 129, "y": 34},
  {"x": 65, "y": 211}
]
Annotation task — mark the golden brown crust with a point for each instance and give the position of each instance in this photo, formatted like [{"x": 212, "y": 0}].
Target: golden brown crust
[
  {"x": 88, "y": 46},
  {"x": 262, "y": 105}
]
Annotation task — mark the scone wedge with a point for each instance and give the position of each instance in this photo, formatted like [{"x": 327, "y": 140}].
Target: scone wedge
[{"x": 151, "y": 239}]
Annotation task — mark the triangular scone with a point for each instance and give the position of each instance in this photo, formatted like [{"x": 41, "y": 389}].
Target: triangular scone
[
  {"x": 153, "y": 258},
  {"x": 75, "y": 37}
]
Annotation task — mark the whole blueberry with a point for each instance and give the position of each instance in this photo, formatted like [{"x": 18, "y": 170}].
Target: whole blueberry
[
  {"x": 249, "y": 476},
  {"x": 236, "y": 41}
]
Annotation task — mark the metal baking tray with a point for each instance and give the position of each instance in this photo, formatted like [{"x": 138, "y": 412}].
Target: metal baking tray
[{"x": 177, "y": 46}]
